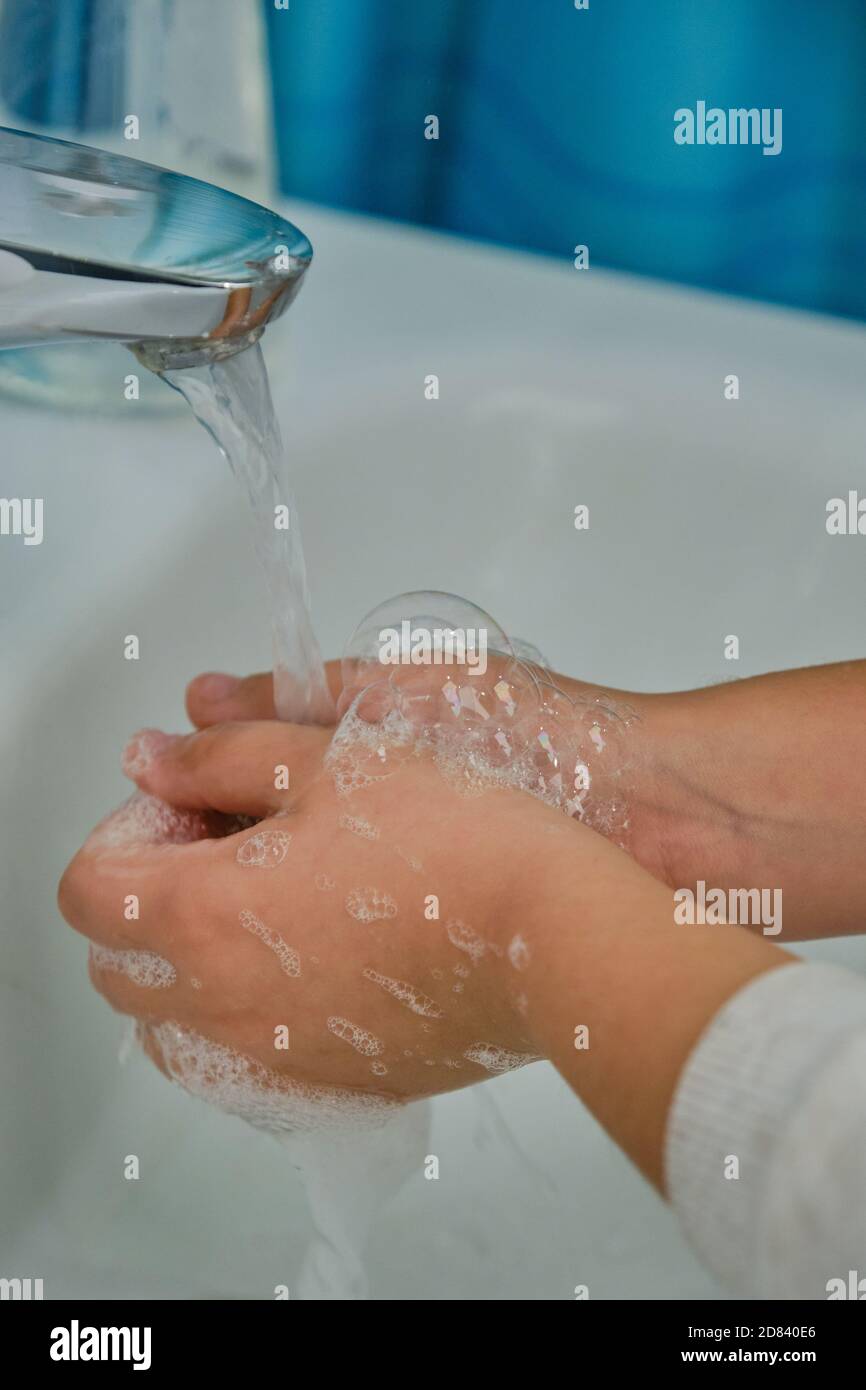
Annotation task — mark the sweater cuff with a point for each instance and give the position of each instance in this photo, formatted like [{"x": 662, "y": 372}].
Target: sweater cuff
[{"x": 739, "y": 1090}]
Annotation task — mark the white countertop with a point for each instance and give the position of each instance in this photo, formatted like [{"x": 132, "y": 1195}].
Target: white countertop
[{"x": 558, "y": 387}]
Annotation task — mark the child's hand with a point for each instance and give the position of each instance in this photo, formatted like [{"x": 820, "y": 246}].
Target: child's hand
[{"x": 374, "y": 927}]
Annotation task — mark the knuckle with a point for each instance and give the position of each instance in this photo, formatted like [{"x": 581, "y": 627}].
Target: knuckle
[
  {"x": 209, "y": 745},
  {"x": 73, "y": 888}
]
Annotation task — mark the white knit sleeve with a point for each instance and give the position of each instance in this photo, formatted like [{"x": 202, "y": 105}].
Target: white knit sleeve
[{"x": 766, "y": 1136}]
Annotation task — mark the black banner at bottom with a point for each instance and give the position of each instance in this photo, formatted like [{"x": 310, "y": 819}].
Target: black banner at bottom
[{"x": 63, "y": 1337}]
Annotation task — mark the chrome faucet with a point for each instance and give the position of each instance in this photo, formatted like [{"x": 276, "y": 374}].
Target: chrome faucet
[{"x": 98, "y": 245}]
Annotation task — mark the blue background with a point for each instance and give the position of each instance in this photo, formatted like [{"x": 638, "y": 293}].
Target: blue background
[
  {"x": 556, "y": 128},
  {"x": 556, "y": 124}
]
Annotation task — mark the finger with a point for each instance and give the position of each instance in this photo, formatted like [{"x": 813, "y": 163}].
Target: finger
[
  {"x": 116, "y": 890},
  {"x": 239, "y": 769},
  {"x": 219, "y": 699}
]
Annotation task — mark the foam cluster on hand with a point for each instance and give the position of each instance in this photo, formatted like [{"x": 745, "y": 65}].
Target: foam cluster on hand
[
  {"x": 497, "y": 722},
  {"x": 264, "y": 1098}
]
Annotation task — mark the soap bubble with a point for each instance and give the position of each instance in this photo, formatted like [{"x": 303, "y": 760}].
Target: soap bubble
[
  {"x": 392, "y": 638},
  {"x": 529, "y": 653}
]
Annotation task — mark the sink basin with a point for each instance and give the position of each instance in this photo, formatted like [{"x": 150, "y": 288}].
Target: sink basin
[{"x": 556, "y": 388}]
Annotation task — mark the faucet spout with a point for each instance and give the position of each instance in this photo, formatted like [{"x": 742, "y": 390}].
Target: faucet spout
[
  {"x": 169, "y": 354},
  {"x": 97, "y": 245}
]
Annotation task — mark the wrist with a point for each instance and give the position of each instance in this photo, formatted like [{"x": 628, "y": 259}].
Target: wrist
[
  {"x": 681, "y": 828},
  {"x": 611, "y": 988},
  {"x": 659, "y": 772}
]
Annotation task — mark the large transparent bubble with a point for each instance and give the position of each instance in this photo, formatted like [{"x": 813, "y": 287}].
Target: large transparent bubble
[{"x": 369, "y": 652}]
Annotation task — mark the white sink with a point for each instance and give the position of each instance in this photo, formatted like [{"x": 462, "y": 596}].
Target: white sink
[{"x": 557, "y": 387}]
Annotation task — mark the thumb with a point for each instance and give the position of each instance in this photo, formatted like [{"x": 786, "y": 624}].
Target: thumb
[{"x": 215, "y": 698}]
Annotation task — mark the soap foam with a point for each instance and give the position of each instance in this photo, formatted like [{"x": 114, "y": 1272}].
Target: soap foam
[
  {"x": 264, "y": 850},
  {"x": 370, "y": 905},
  {"x": 518, "y": 953},
  {"x": 264, "y": 1098},
  {"x": 355, "y": 1036},
  {"x": 360, "y": 827},
  {"x": 143, "y": 749},
  {"x": 143, "y": 968},
  {"x": 465, "y": 938},
  {"x": 407, "y": 994},
  {"x": 290, "y": 961},
  {"x": 498, "y": 1059},
  {"x": 376, "y": 744},
  {"x": 144, "y": 820}
]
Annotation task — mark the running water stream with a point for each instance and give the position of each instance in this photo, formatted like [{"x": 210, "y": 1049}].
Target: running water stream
[
  {"x": 349, "y": 1173},
  {"x": 354, "y": 1151},
  {"x": 232, "y": 400}
]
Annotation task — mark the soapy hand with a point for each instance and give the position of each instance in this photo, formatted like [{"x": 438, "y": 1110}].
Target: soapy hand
[
  {"x": 371, "y": 932},
  {"x": 317, "y": 912}
]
